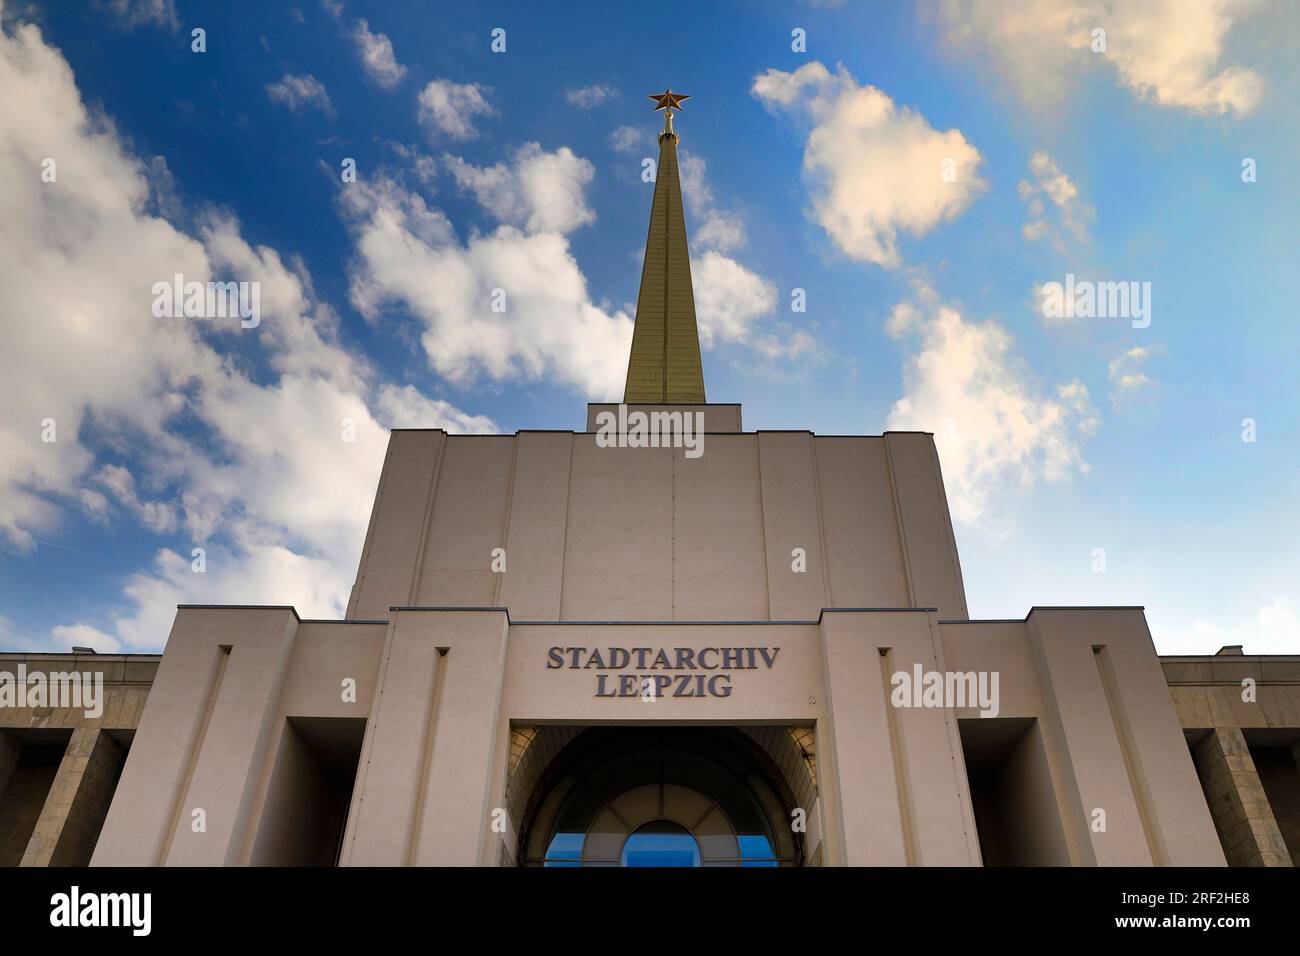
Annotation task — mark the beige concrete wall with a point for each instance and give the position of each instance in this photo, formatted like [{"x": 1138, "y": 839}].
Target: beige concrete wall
[
  {"x": 1029, "y": 804},
  {"x": 717, "y": 417},
  {"x": 614, "y": 547},
  {"x": 1119, "y": 754},
  {"x": 202, "y": 740},
  {"x": 1226, "y": 704},
  {"x": 71, "y": 810},
  {"x": 644, "y": 534},
  {"x": 1247, "y": 828},
  {"x": 431, "y": 746},
  {"x": 440, "y": 690}
]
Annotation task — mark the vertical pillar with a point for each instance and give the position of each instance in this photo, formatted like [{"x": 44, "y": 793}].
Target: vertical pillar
[
  {"x": 78, "y": 800},
  {"x": 901, "y": 787},
  {"x": 387, "y": 790},
  {"x": 924, "y": 525},
  {"x": 1084, "y": 749},
  {"x": 1240, "y": 809},
  {"x": 1115, "y": 744},
  {"x": 427, "y": 766},
  {"x": 455, "y": 826},
  {"x": 865, "y": 825},
  {"x": 202, "y": 740},
  {"x": 389, "y": 573},
  {"x": 1151, "y": 736}
]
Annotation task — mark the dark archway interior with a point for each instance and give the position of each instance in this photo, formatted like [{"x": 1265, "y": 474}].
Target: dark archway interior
[{"x": 671, "y": 796}]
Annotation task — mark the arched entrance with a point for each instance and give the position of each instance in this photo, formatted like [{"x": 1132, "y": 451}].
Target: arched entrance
[{"x": 675, "y": 796}]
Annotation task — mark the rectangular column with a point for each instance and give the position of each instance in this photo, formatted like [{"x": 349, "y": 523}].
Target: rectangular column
[
  {"x": 1240, "y": 808},
  {"x": 788, "y": 477},
  {"x": 865, "y": 826},
  {"x": 459, "y": 784},
  {"x": 929, "y": 741},
  {"x": 78, "y": 800},
  {"x": 924, "y": 524},
  {"x": 202, "y": 740},
  {"x": 899, "y": 794},
  {"x": 1163, "y": 775},
  {"x": 1103, "y": 821},
  {"x": 390, "y": 559},
  {"x": 426, "y": 778},
  {"x": 389, "y": 772}
]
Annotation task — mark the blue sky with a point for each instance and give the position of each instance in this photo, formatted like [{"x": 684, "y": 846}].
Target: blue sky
[{"x": 815, "y": 169}]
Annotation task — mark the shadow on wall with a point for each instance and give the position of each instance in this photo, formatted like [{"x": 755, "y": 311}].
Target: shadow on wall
[
  {"x": 307, "y": 802},
  {"x": 1011, "y": 790}
]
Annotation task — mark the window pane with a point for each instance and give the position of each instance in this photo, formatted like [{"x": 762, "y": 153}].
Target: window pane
[
  {"x": 661, "y": 844},
  {"x": 564, "y": 846},
  {"x": 754, "y": 847}
]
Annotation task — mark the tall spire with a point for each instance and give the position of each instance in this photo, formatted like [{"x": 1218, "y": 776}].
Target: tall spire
[{"x": 664, "y": 367}]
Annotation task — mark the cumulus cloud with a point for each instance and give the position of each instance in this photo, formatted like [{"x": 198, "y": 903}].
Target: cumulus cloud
[
  {"x": 1057, "y": 188},
  {"x": 376, "y": 52},
  {"x": 271, "y": 474},
  {"x": 733, "y": 303},
  {"x": 728, "y": 298},
  {"x": 300, "y": 92},
  {"x": 409, "y": 255},
  {"x": 589, "y": 97},
  {"x": 448, "y": 109},
  {"x": 993, "y": 427},
  {"x": 874, "y": 169},
  {"x": 537, "y": 190},
  {"x": 1166, "y": 52}
]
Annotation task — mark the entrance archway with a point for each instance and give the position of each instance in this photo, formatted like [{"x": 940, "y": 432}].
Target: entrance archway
[{"x": 675, "y": 796}]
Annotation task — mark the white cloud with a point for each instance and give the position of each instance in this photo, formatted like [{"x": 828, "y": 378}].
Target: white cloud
[
  {"x": 233, "y": 464},
  {"x": 721, "y": 230},
  {"x": 628, "y": 139},
  {"x": 1275, "y": 630},
  {"x": 1279, "y": 629},
  {"x": 1165, "y": 51},
  {"x": 992, "y": 426},
  {"x": 875, "y": 169},
  {"x": 728, "y": 298},
  {"x": 1054, "y": 185},
  {"x": 1126, "y": 373},
  {"x": 712, "y": 227},
  {"x": 733, "y": 304},
  {"x": 406, "y": 407},
  {"x": 449, "y": 108},
  {"x": 67, "y": 636},
  {"x": 157, "y": 516},
  {"x": 538, "y": 191},
  {"x": 377, "y": 57},
  {"x": 134, "y": 13},
  {"x": 299, "y": 92},
  {"x": 408, "y": 254},
  {"x": 589, "y": 97}
]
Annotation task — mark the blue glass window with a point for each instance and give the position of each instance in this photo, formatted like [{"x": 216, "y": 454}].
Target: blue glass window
[
  {"x": 565, "y": 849},
  {"x": 661, "y": 844}
]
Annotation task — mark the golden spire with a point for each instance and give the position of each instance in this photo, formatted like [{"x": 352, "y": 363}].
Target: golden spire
[{"x": 664, "y": 367}]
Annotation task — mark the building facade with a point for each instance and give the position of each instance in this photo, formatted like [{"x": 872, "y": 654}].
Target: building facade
[{"x": 661, "y": 640}]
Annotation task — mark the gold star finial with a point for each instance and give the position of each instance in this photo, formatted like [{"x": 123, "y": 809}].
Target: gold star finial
[{"x": 668, "y": 101}]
